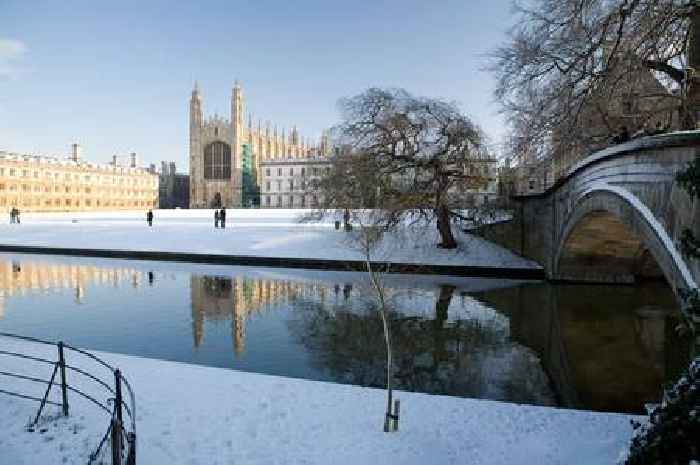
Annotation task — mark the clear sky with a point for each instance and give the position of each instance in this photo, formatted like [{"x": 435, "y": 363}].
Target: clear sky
[{"x": 116, "y": 76}]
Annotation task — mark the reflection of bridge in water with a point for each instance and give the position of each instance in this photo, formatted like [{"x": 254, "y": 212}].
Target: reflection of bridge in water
[{"x": 598, "y": 357}]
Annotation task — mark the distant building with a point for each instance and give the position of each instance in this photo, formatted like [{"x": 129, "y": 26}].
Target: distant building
[
  {"x": 287, "y": 183},
  {"x": 173, "y": 188},
  {"x": 41, "y": 183},
  {"x": 226, "y": 154}
]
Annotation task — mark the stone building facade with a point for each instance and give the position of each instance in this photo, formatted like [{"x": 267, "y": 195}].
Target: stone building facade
[
  {"x": 173, "y": 187},
  {"x": 226, "y": 154},
  {"x": 38, "y": 183},
  {"x": 288, "y": 183}
]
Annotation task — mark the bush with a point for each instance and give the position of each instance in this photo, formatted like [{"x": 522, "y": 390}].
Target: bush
[{"x": 672, "y": 434}]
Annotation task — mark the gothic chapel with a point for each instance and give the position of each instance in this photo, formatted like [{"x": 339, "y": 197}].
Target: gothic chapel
[{"x": 225, "y": 155}]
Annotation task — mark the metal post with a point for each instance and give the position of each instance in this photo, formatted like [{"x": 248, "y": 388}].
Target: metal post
[
  {"x": 118, "y": 394},
  {"x": 117, "y": 422},
  {"x": 116, "y": 442},
  {"x": 64, "y": 384},
  {"x": 131, "y": 454},
  {"x": 397, "y": 408}
]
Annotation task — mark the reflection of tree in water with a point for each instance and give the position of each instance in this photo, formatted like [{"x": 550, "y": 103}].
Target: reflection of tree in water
[{"x": 470, "y": 356}]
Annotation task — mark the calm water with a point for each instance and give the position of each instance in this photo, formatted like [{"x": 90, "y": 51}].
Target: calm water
[{"x": 594, "y": 347}]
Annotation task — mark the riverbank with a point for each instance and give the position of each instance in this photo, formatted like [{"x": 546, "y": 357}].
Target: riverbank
[
  {"x": 189, "y": 414},
  {"x": 258, "y": 238}
]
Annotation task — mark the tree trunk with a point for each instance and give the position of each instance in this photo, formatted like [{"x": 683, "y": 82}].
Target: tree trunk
[
  {"x": 443, "y": 224},
  {"x": 346, "y": 220},
  {"x": 692, "y": 98}
]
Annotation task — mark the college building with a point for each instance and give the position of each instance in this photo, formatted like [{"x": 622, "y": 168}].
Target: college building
[
  {"x": 226, "y": 155},
  {"x": 39, "y": 183}
]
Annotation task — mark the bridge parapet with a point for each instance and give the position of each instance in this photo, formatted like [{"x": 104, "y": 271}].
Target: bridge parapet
[{"x": 617, "y": 215}]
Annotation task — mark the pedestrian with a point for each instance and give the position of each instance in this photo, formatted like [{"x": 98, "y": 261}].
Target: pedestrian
[
  {"x": 17, "y": 215},
  {"x": 12, "y": 215},
  {"x": 149, "y": 217},
  {"x": 222, "y": 217},
  {"x": 216, "y": 218}
]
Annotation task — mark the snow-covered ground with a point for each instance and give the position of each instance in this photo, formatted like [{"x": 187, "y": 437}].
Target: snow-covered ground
[
  {"x": 265, "y": 233},
  {"x": 197, "y": 415}
]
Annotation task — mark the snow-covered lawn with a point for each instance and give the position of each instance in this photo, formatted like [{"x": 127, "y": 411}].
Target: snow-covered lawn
[
  {"x": 198, "y": 415},
  {"x": 266, "y": 233}
]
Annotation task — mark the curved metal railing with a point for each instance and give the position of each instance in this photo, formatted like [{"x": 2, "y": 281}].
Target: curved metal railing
[{"x": 120, "y": 436}]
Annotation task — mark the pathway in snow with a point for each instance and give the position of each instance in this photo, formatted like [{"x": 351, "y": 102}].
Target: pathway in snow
[
  {"x": 197, "y": 415},
  {"x": 264, "y": 233}
]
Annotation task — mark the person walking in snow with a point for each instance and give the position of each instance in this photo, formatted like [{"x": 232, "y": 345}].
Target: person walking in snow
[
  {"x": 149, "y": 217},
  {"x": 222, "y": 218}
]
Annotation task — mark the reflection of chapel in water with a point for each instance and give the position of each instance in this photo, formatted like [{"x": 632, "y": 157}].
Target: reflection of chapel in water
[{"x": 220, "y": 298}]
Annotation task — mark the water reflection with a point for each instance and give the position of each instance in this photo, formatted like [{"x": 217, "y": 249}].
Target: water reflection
[
  {"x": 466, "y": 354},
  {"x": 23, "y": 277},
  {"x": 597, "y": 347}
]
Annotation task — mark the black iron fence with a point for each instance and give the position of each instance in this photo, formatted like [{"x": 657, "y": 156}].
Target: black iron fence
[{"x": 120, "y": 436}]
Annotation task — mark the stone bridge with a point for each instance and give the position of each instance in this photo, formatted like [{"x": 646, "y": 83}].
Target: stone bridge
[{"x": 616, "y": 216}]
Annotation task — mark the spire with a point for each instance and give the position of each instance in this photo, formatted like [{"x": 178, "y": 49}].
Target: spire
[
  {"x": 250, "y": 121},
  {"x": 195, "y": 90}
]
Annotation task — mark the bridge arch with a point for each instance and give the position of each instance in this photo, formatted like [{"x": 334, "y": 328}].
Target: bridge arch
[{"x": 613, "y": 212}]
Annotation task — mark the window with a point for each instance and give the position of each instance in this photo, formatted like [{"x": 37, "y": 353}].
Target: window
[
  {"x": 291, "y": 201},
  {"x": 267, "y": 200},
  {"x": 279, "y": 171},
  {"x": 291, "y": 171},
  {"x": 291, "y": 184},
  {"x": 267, "y": 186},
  {"x": 25, "y": 173},
  {"x": 36, "y": 174},
  {"x": 267, "y": 171},
  {"x": 217, "y": 161},
  {"x": 531, "y": 184},
  {"x": 279, "y": 186},
  {"x": 279, "y": 200},
  {"x": 303, "y": 201}
]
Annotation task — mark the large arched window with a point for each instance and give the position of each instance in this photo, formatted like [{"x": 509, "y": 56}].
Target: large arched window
[{"x": 217, "y": 161}]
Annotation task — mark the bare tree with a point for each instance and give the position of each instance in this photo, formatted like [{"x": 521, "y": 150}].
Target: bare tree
[
  {"x": 366, "y": 240},
  {"x": 422, "y": 152},
  {"x": 573, "y": 71},
  {"x": 351, "y": 183}
]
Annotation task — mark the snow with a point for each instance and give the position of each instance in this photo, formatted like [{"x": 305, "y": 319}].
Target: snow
[
  {"x": 261, "y": 232},
  {"x": 199, "y": 415}
]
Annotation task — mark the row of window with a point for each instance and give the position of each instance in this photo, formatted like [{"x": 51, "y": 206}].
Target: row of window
[
  {"x": 12, "y": 172},
  {"x": 300, "y": 185},
  {"x": 76, "y": 190},
  {"x": 290, "y": 201},
  {"x": 58, "y": 203},
  {"x": 315, "y": 171}
]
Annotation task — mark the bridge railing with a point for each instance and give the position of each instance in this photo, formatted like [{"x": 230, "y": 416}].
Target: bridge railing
[{"x": 120, "y": 435}]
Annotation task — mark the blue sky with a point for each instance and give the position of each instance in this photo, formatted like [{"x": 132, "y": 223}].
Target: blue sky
[{"x": 116, "y": 76}]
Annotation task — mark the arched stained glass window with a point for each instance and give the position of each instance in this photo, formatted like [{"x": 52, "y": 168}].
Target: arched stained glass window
[{"x": 217, "y": 161}]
